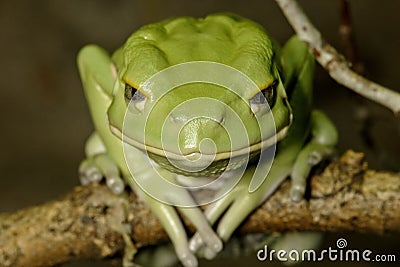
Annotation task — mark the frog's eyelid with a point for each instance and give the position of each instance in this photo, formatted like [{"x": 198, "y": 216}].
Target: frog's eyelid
[
  {"x": 134, "y": 97},
  {"x": 268, "y": 89},
  {"x": 271, "y": 86}
]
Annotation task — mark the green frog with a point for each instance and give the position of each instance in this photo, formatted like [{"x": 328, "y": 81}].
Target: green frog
[{"x": 195, "y": 111}]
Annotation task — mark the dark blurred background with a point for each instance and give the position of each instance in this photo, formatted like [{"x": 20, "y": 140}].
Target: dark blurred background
[{"x": 44, "y": 119}]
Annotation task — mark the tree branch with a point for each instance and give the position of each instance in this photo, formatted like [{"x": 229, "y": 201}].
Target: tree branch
[
  {"x": 345, "y": 196},
  {"x": 334, "y": 62}
]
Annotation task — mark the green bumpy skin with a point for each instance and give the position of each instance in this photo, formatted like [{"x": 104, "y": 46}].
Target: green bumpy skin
[{"x": 284, "y": 76}]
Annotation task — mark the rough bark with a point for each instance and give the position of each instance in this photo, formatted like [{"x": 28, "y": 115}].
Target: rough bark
[{"x": 345, "y": 196}]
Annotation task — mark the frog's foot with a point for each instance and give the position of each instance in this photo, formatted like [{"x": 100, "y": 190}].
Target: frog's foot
[
  {"x": 321, "y": 146},
  {"x": 170, "y": 220},
  {"x": 94, "y": 168},
  {"x": 210, "y": 240},
  {"x": 236, "y": 205}
]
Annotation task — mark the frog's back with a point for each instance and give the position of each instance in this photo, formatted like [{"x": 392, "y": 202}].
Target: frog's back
[{"x": 227, "y": 39}]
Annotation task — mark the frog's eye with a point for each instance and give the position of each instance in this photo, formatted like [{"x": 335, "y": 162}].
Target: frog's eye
[
  {"x": 265, "y": 96},
  {"x": 129, "y": 92},
  {"x": 135, "y": 96}
]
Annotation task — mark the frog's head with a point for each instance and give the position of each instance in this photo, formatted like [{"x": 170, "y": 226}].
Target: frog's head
[{"x": 213, "y": 117}]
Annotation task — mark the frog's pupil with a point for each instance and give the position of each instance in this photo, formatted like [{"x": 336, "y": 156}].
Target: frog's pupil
[
  {"x": 269, "y": 93},
  {"x": 129, "y": 92}
]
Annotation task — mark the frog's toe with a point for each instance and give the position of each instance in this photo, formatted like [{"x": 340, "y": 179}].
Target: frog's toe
[
  {"x": 83, "y": 179},
  {"x": 89, "y": 173},
  {"x": 206, "y": 246},
  {"x": 209, "y": 254},
  {"x": 187, "y": 258},
  {"x": 206, "y": 253},
  {"x": 299, "y": 176},
  {"x": 297, "y": 192},
  {"x": 94, "y": 168},
  {"x": 206, "y": 240},
  {"x": 111, "y": 173},
  {"x": 316, "y": 157},
  {"x": 213, "y": 244},
  {"x": 195, "y": 242},
  {"x": 116, "y": 184}
]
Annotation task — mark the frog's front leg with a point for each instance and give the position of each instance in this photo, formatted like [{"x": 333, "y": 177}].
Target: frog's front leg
[
  {"x": 172, "y": 224},
  {"x": 98, "y": 164},
  {"x": 324, "y": 137},
  {"x": 164, "y": 199}
]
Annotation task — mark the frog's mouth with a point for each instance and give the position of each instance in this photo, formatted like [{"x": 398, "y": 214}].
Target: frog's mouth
[{"x": 254, "y": 148}]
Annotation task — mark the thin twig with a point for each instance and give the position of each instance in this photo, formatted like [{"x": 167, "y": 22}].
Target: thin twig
[
  {"x": 334, "y": 62},
  {"x": 347, "y": 34},
  {"x": 346, "y": 31}
]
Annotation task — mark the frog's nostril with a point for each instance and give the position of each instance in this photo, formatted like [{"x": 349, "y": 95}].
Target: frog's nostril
[
  {"x": 217, "y": 121},
  {"x": 180, "y": 119},
  {"x": 221, "y": 119},
  {"x": 218, "y": 117}
]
